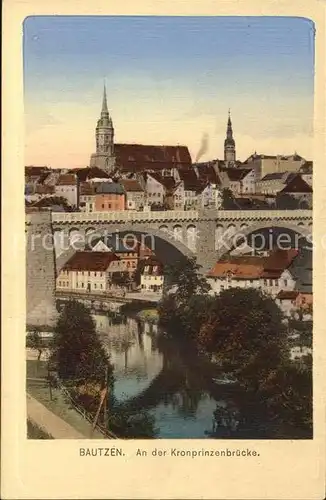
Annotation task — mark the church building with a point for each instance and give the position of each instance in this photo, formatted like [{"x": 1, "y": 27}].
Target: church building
[{"x": 125, "y": 160}]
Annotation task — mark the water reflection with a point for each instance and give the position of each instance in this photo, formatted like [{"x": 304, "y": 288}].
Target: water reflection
[
  {"x": 167, "y": 389},
  {"x": 133, "y": 353}
]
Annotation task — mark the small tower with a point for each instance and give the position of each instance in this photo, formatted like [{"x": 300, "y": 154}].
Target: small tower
[
  {"x": 104, "y": 135},
  {"x": 229, "y": 145}
]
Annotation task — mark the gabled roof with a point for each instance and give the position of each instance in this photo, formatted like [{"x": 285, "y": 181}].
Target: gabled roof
[
  {"x": 131, "y": 185},
  {"x": 238, "y": 271},
  {"x": 297, "y": 185},
  {"x": 152, "y": 265},
  {"x": 207, "y": 173},
  {"x": 278, "y": 261},
  {"x": 254, "y": 267},
  {"x": 90, "y": 173},
  {"x": 274, "y": 176},
  {"x": 140, "y": 157},
  {"x": 110, "y": 188},
  {"x": 33, "y": 170},
  {"x": 118, "y": 245},
  {"x": 237, "y": 174},
  {"x": 90, "y": 261},
  {"x": 67, "y": 180}
]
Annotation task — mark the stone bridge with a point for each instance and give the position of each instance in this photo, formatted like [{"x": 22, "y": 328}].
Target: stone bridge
[{"x": 207, "y": 234}]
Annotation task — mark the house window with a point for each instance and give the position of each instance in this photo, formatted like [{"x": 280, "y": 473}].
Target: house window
[
  {"x": 76, "y": 285},
  {"x": 102, "y": 205},
  {"x": 94, "y": 285},
  {"x": 59, "y": 283},
  {"x": 270, "y": 282},
  {"x": 94, "y": 273},
  {"x": 89, "y": 273},
  {"x": 101, "y": 286},
  {"x": 109, "y": 205},
  {"x": 82, "y": 285},
  {"x": 285, "y": 282},
  {"x": 265, "y": 282}
]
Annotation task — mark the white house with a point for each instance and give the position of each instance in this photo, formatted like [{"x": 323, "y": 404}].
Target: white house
[
  {"x": 270, "y": 274},
  {"x": 67, "y": 187},
  {"x": 151, "y": 276}
]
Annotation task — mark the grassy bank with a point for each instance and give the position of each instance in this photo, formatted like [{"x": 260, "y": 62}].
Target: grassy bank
[
  {"x": 38, "y": 387},
  {"x": 149, "y": 315},
  {"x": 35, "y": 432}
]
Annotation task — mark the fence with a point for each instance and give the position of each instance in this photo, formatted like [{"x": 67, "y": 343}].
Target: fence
[{"x": 86, "y": 415}]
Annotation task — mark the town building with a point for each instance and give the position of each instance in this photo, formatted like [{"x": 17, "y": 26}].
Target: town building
[
  {"x": 270, "y": 274},
  {"x": 268, "y": 164},
  {"x": 306, "y": 172},
  {"x": 109, "y": 196},
  {"x": 88, "y": 272},
  {"x": 239, "y": 180},
  {"x": 126, "y": 159},
  {"x": 135, "y": 195},
  {"x": 67, "y": 187},
  {"x": 299, "y": 190},
  {"x": 292, "y": 301},
  {"x": 151, "y": 275}
]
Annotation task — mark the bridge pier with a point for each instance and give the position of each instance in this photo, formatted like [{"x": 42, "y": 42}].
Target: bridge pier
[{"x": 40, "y": 270}]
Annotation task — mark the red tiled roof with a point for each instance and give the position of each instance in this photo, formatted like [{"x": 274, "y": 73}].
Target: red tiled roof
[
  {"x": 67, "y": 180},
  {"x": 254, "y": 267},
  {"x": 90, "y": 261},
  {"x": 280, "y": 259},
  {"x": 32, "y": 170},
  {"x": 136, "y": 157},
  {"x": 131, "y": 185},
  {"x": 238, "y": 271}
]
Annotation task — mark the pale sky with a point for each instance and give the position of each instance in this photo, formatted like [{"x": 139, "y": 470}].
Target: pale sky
[{"x": 169, "y": 81}]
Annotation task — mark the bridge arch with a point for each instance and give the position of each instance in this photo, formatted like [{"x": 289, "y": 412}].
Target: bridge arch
[
  {"x": 229, "y": 242},
  {"x": 166, "y": 246}
]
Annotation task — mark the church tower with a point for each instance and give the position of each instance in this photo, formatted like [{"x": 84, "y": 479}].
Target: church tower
[
  {"x": 104, "y": 134},
  {"x": 229, "y": 145}
]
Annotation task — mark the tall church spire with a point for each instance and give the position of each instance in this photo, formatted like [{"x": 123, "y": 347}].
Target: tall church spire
[
  {"x": 229, "y": 144},
  {"x": 104, "y": 103}
]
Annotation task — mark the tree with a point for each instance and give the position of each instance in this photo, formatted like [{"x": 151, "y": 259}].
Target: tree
[
  {"x": 35, "y": 342},
  {"x": 77, "y": 350},
  {"x": 185, "y": 280},
  {"x": 244, "y": 331},
  {"x": 288, "y": 398},
  {"x": 183, "y": 307},
  {"x": 228, "y": 201},
  {"x": 285, "y": 201}
]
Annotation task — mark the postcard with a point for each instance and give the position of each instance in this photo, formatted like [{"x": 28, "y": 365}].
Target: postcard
[{"x": 164, "y": 273}]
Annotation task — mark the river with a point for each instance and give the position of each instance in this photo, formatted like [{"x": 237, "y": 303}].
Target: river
[{"x": 168, "y": 384}]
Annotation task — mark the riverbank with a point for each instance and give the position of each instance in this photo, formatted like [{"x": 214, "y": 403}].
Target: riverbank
[{"x": 148, "y": 315}]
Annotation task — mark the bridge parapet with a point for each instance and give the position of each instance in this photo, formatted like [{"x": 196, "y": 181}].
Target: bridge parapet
[
  {"x": 264, "y": 214},
  {"x": 178, "y": 216},
  {"x": 124, "y": 216}
]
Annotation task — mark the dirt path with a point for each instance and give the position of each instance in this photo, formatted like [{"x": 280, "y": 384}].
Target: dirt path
[{"x": 49, "y": 422}]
